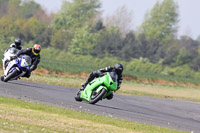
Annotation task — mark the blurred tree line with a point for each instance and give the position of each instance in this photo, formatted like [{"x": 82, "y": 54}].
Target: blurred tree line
[{"x": 79, "y": 29}]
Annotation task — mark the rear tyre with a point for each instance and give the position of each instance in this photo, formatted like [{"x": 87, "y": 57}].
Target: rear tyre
[
  {"x": 77, "y": 97},
  {"x": 10, "y": 75},
  {"x": 97, "y": 96}
]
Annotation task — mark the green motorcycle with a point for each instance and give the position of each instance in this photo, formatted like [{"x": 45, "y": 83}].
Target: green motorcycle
[{"x": 98, "y": 89}]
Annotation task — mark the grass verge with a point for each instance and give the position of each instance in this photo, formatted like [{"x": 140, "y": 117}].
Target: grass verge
[{"x": 21, "y": 116}]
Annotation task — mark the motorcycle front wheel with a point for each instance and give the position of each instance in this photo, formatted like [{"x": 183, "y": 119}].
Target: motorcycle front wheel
[
  {"x": 10, "y": 75},
  {"x": 97, "y": 96}
]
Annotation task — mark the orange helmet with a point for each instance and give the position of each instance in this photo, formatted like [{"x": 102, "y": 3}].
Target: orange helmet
[{"x": 36, "y": 49}]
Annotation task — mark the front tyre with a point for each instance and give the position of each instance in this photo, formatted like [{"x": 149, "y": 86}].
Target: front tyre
[
  {"x": 2, "y": 78},
  {"x": 97, "y": 96},
  {"x": 10, "y": 75}
]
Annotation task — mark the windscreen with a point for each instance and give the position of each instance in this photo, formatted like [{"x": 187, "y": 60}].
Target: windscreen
[
  {"x": 114, "y": 76},
  {"x": 13, "y": 51},
  {"x": 26, "y": 61}
]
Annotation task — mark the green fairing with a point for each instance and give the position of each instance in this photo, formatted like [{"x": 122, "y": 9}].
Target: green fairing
[{"x": 101, "y": 82}]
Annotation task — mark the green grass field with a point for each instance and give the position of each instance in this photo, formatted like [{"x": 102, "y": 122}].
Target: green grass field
[{"x": 17, "y": 116}]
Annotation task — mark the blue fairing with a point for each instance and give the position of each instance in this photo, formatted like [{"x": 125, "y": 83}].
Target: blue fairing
[
  {"x": 22, "y": 68},
  {"x": 18, "y": 64}
]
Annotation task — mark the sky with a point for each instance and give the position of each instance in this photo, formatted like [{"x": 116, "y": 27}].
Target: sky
[{"x": 189, "y": 12}]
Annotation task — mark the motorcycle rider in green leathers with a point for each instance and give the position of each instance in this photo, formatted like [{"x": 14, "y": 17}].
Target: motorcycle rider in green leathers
[{"x": 118, "y": 69}]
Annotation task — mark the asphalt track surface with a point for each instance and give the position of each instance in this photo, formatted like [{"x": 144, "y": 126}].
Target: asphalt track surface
[{"x": 179, "y": 115}]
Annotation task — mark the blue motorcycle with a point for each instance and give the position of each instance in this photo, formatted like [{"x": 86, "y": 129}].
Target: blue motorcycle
[{"x": 17, "y": 67}]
